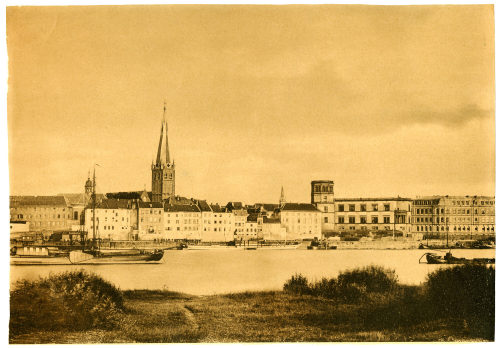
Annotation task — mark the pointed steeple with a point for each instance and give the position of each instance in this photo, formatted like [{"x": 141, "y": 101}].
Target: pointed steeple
[
  {"x": 167, "y": 152},
  {"x": 164, "y": 128},
  {"x": 158, "y": 156},
  {"x": 282, "y": 197}
]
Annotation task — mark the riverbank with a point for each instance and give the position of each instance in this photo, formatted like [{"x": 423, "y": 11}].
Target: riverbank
[{"x": 162, "y": 316}]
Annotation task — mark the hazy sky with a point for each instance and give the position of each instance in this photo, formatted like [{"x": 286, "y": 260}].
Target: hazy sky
[{"x": 382, "y": 100}]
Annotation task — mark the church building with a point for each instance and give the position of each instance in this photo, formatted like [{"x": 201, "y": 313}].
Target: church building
[{"x": 163, "y": 171}]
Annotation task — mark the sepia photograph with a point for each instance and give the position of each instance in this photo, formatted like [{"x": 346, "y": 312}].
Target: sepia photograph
[{"x": 224, "y": 173}]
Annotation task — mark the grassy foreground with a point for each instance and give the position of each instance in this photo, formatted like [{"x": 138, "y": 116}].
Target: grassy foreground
[{"x": 402, "y": 313}]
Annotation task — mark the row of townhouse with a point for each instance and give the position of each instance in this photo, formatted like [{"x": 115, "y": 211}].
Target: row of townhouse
[
  {"x": 189, "y": 219},
  {"x": 117, "y": 219}
]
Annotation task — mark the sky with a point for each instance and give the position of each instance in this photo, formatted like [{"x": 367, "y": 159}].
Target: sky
[{"x": 384, "y": 100}]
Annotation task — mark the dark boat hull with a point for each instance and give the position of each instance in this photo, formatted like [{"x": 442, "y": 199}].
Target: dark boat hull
[
  {"x": 92, "y": 258},
  {"x": 448, "y": 259}
]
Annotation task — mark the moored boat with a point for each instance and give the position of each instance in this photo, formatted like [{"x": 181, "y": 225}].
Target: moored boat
[
  {"x": 38, "y": 255},
  {"x": 115, "y": 256},
  {"x": 448, "y": 258}
]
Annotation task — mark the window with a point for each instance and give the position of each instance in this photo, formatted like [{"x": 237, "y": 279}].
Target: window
[
  {"x": 363, "y": 219},
  {"x": 325, "y": 208},
  {"x": 363, "y": 207},
  {"x": 326, "y": 219},
  {"x": 387, "y": 219},
  {"x": 341, "y": 219},
  {"x": 375, "y": 207},
  {"x": 352, "y": 219},
  {"x": 374, "y": 219},
  {"x": 341, "y": 207},
  {"x": 352, "y": 207},
  {"x": 387, "y": 207}
]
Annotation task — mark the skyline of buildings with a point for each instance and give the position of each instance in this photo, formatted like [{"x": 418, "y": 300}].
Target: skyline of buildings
[{"x": 160, "y": 214}]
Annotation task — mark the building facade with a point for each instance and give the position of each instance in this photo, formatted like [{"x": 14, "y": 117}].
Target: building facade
[
  {"x": 112, "y": 220},
  {"x": 373, "y": 215},
  {"x": 272, "y": 229},
  {"x": 453, "y": 217},
  {"x": 150, "y": 221},
  {"x": 182, "y": 222},
  {"x": 301, "y": 220},
  {"x": 43, "y": 213}
]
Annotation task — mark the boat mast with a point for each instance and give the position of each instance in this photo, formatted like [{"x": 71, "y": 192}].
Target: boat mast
[{"x": 93, "y": 210}]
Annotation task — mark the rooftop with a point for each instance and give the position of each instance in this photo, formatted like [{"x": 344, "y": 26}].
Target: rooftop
[
  {"x": 299, "y": 207},
  {"x": 372, "y": 199},
  {"x": 113, "y": 204},
  {"x": 146, "y": 205},
  {"x": 127, "y": 195},
  {"x": 37, "y": 200},
  {"x": 181, "y": 208}
]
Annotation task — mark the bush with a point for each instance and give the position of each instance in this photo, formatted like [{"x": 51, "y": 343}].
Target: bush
[
  {"x": 465, "y": 292},
  {"x": 73, "y": 300},
  {"x": 298, "y": 285},
  {"x": 325, "y": 288},
  {"x": 353, "y": 284},
  {"x": 348, "y": 286}
]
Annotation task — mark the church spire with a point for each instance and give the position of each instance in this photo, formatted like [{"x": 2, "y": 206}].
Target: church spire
[
  {"x": 158, "y": 155},
  {"x": 164, "y": 127},
  {"x": 167, "y": 152},
  {"x": 282, "y": 197}
]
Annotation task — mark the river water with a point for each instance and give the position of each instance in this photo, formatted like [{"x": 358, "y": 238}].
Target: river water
[{"x": 205, "y": 272}]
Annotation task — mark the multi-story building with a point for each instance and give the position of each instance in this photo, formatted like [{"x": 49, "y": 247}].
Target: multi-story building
[
  {"x": 163, "y": 170},
  {"x": 252, "y": 229},
  {"x": 240, "y": 218},
  {"x": 205, "y": 220},
  {"x": 272, "y": 229},
  {"x": 112, "y": 220},
  {"x": 150, "y": 221},
  {"x": 373, "y": 214},
  {"x": 182, "y": 222},
  {"x": 45, "y": 214},
  {"x": 322, "y": 197},
  {"x": 221, "y": 226},
  {"x": 453, "y": 217},
  {"x": 301, "y": 220}
]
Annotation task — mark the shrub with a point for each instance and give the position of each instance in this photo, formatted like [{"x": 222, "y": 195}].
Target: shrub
[
  {"x": 325, "y": 288},
  {"x": 352, "y": 284},
  {"x": 466, "y": 292},
  {"x": 73, "y": 300},
  {"x": 298, "y": 285}
]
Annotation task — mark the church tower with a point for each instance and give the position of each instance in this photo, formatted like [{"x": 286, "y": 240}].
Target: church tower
[
  {"x": 163, "y": 171},
  {"x": 88, "y": 190}
]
